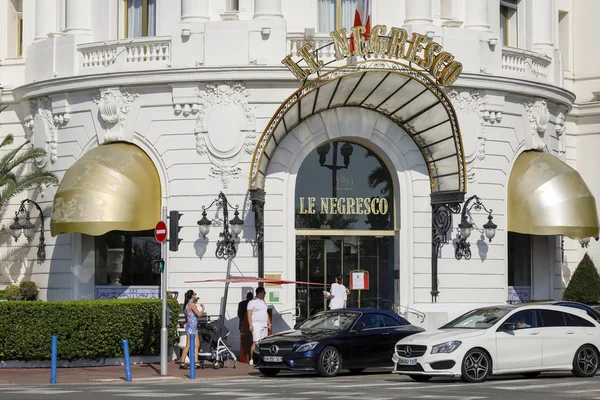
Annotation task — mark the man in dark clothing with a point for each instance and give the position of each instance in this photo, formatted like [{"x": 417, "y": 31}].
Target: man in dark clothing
[
  {"x": 245, "y": 334},
  {"x": 243, "y": 307}
]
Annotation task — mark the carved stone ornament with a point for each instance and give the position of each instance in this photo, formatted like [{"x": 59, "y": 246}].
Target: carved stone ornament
[
  {"x": 538, "y": 116},
  {"x": 113, "y": 107},
  {"x": 559, "y": 127},
  {"x": 43, "y": 126},
  {"x": 471, "y": 103},
  {"x": 225, "y": 128}
]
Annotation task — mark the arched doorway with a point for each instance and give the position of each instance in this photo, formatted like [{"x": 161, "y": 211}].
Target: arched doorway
[{"x": 344, "y": 221}]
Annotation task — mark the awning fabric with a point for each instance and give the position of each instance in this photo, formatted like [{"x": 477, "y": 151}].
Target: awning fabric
[
  {"x": 547, "y": 197},
  {"x": 112, "y": 187}
]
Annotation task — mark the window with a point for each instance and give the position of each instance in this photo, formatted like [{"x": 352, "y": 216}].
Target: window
[
  {"x": 140, "y": 18},
  {"x": 524, "y": 319},
  {"x": 372, "y": 321},
  {"x": 519, "y": 259},
  {"x": 233, "y": 5},
  {"x": 14, "y": 29},
  {"x": 335, "y": 14},
  {"x": 126, "y": 258},
  {"x": 563, "y": 38},
  {"x": 509, "y": 26},
  {"x": 391, "y": 322},
  {"x": 552, "y": 318},
  {"x": 574, "y": 320}
]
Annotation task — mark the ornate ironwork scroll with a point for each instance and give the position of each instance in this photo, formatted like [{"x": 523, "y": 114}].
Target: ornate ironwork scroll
[
  {"x": 257, "y": 196},
  {"x": 441, "y": 223}
]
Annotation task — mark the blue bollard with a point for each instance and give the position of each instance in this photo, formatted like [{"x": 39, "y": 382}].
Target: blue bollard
[
  {"x": 127, "y": 364},
  {"x": 53, "y": 360},
  {"x": 192, "y": 357}
]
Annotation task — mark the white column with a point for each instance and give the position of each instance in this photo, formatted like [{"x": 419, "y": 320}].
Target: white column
[
  {"x": 45, "y": 18},
  {"x": 543, "y": 26},
  {"x": 194, "y": 11},
  {"x": 477, "y": 15},
  {"x": 418, "y": 12},
  {"x": 79, "y": 17},
  {"x": 266, "y": 9}
]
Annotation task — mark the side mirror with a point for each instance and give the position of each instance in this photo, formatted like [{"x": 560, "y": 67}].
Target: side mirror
[
  {"x": 507, "y": 326},
  {"x": 359, "y": 326}
]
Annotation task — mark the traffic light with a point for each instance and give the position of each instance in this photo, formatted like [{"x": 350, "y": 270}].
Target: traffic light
[
  {"x": 158, "y": 266},
  {"x": 174, "y": 229}
]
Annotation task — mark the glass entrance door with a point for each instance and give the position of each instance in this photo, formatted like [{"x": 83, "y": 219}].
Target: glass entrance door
[{"x": 320, "y": 259}]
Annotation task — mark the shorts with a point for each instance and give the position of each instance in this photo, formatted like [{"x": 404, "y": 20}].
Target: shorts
[{"x": 260, "y": 332}]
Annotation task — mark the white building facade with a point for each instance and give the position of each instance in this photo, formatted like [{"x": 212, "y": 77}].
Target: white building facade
[{"x": 150, "y": 106}]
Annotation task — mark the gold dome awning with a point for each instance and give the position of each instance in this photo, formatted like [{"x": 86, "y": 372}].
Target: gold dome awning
[
  {"x": 112, "y": 187},
  {"x": 547, "y": 197}
]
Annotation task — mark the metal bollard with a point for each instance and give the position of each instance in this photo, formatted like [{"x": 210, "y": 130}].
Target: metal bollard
[
  {"x": 53, "y": 360},
  {"x": 192, "y": 356},
  {"x": 127, "y": 364}
]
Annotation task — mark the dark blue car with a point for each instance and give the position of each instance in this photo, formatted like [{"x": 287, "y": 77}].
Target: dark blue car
[{"x": 351, "y": 338}]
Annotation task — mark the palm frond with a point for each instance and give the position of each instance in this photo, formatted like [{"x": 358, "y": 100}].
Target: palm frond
[
  {"x": 8, "y": 157},
  {"x": 7, "y": 141},
  {"x": 26, "y": 182},
  {"x": 27, "y": 156}
]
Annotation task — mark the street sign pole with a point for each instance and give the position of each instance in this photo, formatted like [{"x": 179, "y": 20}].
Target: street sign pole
[{"x": 164, "y": 348}]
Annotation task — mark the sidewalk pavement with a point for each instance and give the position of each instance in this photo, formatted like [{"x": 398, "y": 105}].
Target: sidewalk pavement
[{"x": 116, "y": 374}]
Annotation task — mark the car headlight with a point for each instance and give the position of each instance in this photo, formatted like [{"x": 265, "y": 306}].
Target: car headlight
[
  {"x": 307, "y": 347},
  {"x": 447, "y": 347}
]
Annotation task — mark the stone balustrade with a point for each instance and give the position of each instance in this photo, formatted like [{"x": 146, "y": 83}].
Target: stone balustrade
[
  {"x": 319, "y": 41},
  {"x": 525, "y": 64},
  {"x": 125, "y": 54}
]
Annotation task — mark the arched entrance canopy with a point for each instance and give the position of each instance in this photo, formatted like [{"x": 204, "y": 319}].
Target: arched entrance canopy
[
  {"x": 401, "y": 93},
  {"x": 112, "y": 187}
]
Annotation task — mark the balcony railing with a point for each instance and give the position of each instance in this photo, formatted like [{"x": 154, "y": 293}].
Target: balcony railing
[
  {"x": 126, "y": 54},
  {"x": 318, "y": 41},
  {"x": 525, "y": 64}
]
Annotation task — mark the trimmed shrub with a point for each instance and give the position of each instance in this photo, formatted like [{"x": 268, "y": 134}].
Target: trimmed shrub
[
  {"x": 29, "y": 291},
  {"x": 86, "y": 329},
  {"x": 584, "y": 285},
  {"x": 12, "y": 292}
]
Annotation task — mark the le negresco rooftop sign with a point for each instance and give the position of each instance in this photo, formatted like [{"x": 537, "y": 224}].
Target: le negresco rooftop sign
[{"x": 396, "y": 45}]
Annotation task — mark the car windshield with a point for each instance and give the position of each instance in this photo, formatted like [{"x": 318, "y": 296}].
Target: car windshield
[
  {"x": 481, "y": 318},
  {"x": 332, "y": 321}
]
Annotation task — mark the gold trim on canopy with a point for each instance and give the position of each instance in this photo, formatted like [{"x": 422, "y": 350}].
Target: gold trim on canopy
[
  {"x": 547, "y": 197},
  {"x": 112, "y": 187}
]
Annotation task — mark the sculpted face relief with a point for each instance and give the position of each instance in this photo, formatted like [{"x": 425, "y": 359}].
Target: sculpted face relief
[{"x": 429, "y": 56}]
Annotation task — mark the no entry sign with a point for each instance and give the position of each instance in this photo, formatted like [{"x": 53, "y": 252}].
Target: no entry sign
[{"x": 160, "y": 232}]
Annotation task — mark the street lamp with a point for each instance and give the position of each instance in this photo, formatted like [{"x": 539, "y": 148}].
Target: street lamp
[
  {"x": 463, "y": 248},
  {"x": 226, "y": 243},
  {"x": 585, "y": 242},
  {"x": 23, "y": 225}
]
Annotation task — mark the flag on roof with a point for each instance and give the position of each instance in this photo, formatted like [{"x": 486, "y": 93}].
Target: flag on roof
[{"x": 362, "y": 17}]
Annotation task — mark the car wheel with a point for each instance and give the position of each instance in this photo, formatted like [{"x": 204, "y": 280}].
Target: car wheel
[
  {"x": 420, "y": 378},
  {"x": 532, "y": 374},
  {"x": 585, "y": 362},
  {"x": 269, "y": 371},
  {"x": 476, "y": 366},
  {"x": 356, "y": 370},
  {"x": 329, "y": 363}
]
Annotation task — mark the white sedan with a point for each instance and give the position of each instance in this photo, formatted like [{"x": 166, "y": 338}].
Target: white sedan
[{"x": 524, "y": 339}]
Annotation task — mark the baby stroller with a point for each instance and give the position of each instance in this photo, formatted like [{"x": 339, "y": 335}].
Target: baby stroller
[{"x": 213, "y": 342}]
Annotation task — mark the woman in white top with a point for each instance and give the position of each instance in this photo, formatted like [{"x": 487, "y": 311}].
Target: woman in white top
[{"x": 337, "y": 296}]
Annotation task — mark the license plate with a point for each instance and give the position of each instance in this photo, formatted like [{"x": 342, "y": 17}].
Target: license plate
[
  {"x": 272, "y": 359},
  {"x": 407, "y": 361}
]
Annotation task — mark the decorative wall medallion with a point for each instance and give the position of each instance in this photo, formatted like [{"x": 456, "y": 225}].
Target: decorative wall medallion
[
  {"x": 466, "y": 101},
  {"x": 43, "y": 126},
  {"x": 113, "y": 107},
  {"x": 225, "y": 128},
  {"x": 225, "y": 173},
  {"x": 538, "y": 116}
]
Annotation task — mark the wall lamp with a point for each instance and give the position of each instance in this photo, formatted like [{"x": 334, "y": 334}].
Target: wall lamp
[{"x": 463, "y": 248}]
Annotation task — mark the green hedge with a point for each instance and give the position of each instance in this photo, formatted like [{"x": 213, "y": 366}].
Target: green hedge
[
  {"x": 584, "y": 285},
  {"x": 86, "y": 329}
]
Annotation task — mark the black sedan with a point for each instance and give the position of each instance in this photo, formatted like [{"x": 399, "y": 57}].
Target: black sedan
[{"x": 350, "y": 338}]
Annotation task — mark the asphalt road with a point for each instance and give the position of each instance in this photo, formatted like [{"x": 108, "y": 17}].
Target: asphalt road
[{"x": 379, "y": 386}]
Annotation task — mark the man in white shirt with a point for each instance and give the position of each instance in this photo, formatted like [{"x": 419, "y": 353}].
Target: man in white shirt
[
  {"x": 338, "y": 296},
  {"x": 258, "y": 318}
]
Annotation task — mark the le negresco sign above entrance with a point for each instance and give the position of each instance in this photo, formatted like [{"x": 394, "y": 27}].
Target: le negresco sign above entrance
[{"x": 429, "y": 56}]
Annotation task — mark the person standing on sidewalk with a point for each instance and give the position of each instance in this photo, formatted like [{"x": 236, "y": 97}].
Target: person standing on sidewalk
[
  {"x": 245, "y": 334},
  {"x": 258, "y": 319},
  {"x": 191, "y": 327},
  {"x": 338, "y": 296}
]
